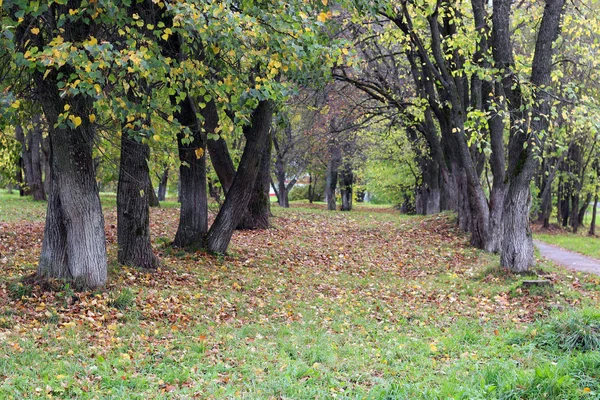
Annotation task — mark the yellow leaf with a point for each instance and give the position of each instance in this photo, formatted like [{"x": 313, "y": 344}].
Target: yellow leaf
[
  {"x": 16, "y": 104},
  {"x": 67, "y": 107},
  {"x": 324, "y": 2},
  {"x": 199, "y": 152},
  {"x": 75, "y": 120},
  {"x": 587, "y": 389},
  {"x": 92, "y": 118},
  {"x": 72, "y": 11},
  {"x": 322, "y": 17},
  {"x": 93, "y": 41},
  {"x": 125, "y": 356},
  {"x": 156, "y": 138},
  {"x": 59, "y": 377},
  {"x": 35, "y": 31},
  {"x": 433, "y": 347}
]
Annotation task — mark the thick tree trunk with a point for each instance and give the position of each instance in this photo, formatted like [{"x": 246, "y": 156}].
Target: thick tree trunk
[
  {"x": 74, "y": 246},
  {"x": 574, "y": 212},
  {"x": 193, "y": 216},
  {"x": 517, "y": 245},
  {"x": 162, "y": 185},
  {"x": 240, "y": 192},
  {"x": 133, "y": 214},
  {"x": 259, "y": 210}
]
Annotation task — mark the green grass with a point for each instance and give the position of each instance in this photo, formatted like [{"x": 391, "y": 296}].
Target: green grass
[
  {"x": 579, "y": 243},
  {"x": 14, "y": 208},
  {"x": 369, "y": 304}
]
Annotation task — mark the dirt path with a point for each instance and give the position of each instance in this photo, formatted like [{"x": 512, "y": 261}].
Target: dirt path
[{"x": 568, "y": 258}]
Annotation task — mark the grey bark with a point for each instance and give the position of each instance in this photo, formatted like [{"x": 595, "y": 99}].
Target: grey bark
[{"x": 133, "y": 213}]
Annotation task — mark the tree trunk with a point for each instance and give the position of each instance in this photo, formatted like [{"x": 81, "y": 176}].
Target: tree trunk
[
  {"x": 46, "y": 164},
  {"x": 26, "y": 158},
  {"x": 133, "y": 213},
  {"x": 311, "y": 190},
  {"x": 517, "y": 245},
  {"x": 240, "y": 192},
  {"x": 575, "y": 212},
  {"x": 346, "y": 181},
  {"x": 335, "y": 158},
  {"x": 282, "y": 193},
  {"x": 259, "y": 210},
  {"x": 19, "y": 177},
  {"x": 221, "y": 162},
  {"x": 592, "y": 231},
  {"x": 35, "y": 142},
  {"x": 193, "y": 216},
  {"x": 152, "y": 197},
  {"x": 162, "y": 185},
  {"x": 583, "y": 209},
  {"x": 74, "y": 246}
]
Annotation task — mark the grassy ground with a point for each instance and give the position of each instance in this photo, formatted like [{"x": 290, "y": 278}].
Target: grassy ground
[{"x": 368, "y": 304}]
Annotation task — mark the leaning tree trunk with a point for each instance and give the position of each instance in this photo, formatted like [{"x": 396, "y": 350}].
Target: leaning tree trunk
[
  {"x": 193, "y": 216},
  {"x": 583, "y": 209},
  {"x": 74, "y": 246},
  {"x": 259, "y": 210},
  {"x": 240, "y": 192},
  {"x": 223, "y": 166},
  {"x": 133, "y": 213},
  {"x": 152, "y": 197}
]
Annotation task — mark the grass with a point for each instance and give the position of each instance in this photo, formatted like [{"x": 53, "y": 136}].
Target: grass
[{"x": 367, "y": 304}]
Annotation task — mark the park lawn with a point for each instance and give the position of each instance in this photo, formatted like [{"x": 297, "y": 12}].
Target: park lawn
[
  {"x": 367, "y": 304},
  {"x": 580, "y": 243}
]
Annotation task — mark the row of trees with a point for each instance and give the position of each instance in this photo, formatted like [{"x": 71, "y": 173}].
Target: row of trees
[
  {"x": 442, "y": 105},
  {"x": 478, "y": 89},
  {"x": 144, "y": 72}
]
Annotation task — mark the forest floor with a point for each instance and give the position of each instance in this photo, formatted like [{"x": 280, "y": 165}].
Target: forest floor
[{"x": 367, "y": 304}]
